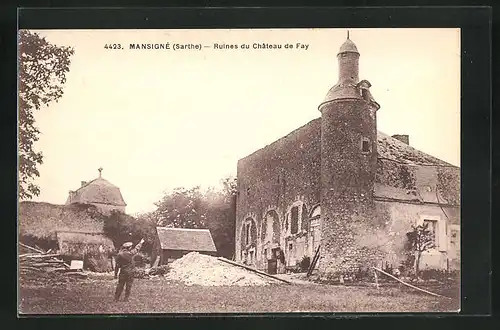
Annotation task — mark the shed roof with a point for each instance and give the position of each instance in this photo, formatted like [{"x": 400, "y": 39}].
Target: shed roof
[{"x": 186, "y": 239}]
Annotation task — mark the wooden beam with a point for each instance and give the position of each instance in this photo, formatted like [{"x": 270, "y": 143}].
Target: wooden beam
[
  {"x": 40, "y": 256},
  {"x": 409, "y": 285},
  {"x": 313, "y": 263},
  {"x": 253, "y": 270},
  {"x": 31, "y": 248}
]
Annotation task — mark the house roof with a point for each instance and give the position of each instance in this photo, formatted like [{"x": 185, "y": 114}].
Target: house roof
[
  {"x": 387, "y": 147},
  {"x": 98, "y": 191},
  {"x": 42, "y": 220},
  {"x": 186, "y": 239},
  {"x": 393, "y": 149}
]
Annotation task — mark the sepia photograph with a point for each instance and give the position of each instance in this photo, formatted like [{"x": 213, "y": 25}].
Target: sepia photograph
[{"x": 239, "y": 171}]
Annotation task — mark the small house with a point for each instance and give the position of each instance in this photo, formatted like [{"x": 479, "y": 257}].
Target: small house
[
  {"x": 173, "y": 243},
  {"x": 75, "y": 231},
  {"x": 94, "y": 249}
]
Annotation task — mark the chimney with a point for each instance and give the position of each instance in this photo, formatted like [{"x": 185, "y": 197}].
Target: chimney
[
  {"x": 71, "y": 195},
  {"x": 403, "y": 138},
  {"x": 83, "y": 183}
]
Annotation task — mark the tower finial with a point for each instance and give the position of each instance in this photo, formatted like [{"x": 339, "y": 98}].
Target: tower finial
[
  {"x": 100, "y": 171},
  {"x": 347, "y": 34}
]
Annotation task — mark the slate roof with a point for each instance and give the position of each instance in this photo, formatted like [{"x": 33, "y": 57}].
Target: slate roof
[
  {"x": 186, "y": 239},
  {"x": 98, "y": 191},
  {"x": 387, "y": 148},
  {"x": 393, "y": 149}
]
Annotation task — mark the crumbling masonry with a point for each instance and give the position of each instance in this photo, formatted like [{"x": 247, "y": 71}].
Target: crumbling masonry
[{"x": 339, "y": 184}]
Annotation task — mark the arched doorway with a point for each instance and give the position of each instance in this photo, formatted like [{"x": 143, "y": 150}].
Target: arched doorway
[
  {"x": 271, "y": 261},
  {"x": 314, "y": 230},
  {"x": 248, "y": 242}
]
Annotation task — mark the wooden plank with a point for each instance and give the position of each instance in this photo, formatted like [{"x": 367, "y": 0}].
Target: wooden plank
[
  {"x": 376, "y": 279},
  {"x": 313, "y": 263},
  {"x": 156, "y": 262},
  {"x": 41, "y": 256},
  {"x": 253, "y": 270},
  {"x": 29, "y": 268},
  {"x": 409, "y": 285},
  {"x": 31, "y": 248},
  {"x": 26, "y": 254}
]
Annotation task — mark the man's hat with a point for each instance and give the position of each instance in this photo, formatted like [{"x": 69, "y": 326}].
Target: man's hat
[{"x": 126, "y": 245}]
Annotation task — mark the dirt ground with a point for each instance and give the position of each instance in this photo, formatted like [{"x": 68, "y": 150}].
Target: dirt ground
[{"x": 158, "y": 295}]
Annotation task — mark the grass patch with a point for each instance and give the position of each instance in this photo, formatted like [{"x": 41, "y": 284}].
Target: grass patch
[{"x": 162, "y": 296}]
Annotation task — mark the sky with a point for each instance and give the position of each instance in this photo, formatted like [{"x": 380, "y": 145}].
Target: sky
[{"x": 159, "y": 119}]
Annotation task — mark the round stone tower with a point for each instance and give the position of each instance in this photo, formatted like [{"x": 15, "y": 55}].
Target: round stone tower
[{"x": 348, "y": 164}]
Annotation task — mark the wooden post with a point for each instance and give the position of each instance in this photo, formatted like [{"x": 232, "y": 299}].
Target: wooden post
[
  {"x": 313, "y": 263},
  {"x": 376, "y": 279}
]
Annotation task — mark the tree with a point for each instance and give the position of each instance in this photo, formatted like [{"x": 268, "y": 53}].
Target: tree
[
  {"x": 42, "y": 74},
  {"x": 213, "y": 209},
  {"x": 183, "y": 208},
  {"x": 420, "y": 239},
  {"x": 121, "y": 228}
]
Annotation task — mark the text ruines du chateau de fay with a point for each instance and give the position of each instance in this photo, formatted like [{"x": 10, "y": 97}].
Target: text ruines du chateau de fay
[{"x": 215, "y": 46}]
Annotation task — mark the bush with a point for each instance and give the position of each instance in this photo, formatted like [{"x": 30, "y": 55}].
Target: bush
[
  {"x": 159, "y": 270},
  {"x": 145, "y": 273},
  {"x": 141, "y": 259},
  {"x": 305, "y": 263},
  {"x": 120, "y": 228},
  {"x": 439, "y": 275}
]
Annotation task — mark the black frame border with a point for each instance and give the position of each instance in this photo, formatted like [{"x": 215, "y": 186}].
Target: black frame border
[{"x": 476, "y": 91}]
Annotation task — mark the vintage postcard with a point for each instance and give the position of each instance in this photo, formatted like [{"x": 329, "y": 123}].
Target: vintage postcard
[{"x": 239, "y": 171}]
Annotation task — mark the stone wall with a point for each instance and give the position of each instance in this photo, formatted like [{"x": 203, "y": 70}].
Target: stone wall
[
  {"x": 368, "y": 202},
  {"x": 275, "y": 177},
  {"x": 395, "y": 220},
  {"x": 347, "y": 179},
  {"x": 419, "y": 183}
]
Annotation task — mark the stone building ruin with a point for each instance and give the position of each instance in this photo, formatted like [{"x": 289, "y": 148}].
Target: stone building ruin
[{"x": 339, "y": 184}]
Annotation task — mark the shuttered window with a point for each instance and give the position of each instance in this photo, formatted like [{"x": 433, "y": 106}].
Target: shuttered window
[{"x": 294, "y": 226}]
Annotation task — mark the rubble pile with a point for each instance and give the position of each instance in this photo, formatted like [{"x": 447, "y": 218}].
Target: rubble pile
[{"x": 198, "y": 269}]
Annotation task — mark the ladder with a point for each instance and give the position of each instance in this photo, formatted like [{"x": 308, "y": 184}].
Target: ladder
[{"x": 314, "y": 262}]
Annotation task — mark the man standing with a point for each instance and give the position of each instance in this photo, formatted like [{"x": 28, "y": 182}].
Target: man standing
[{"x": 125, "y": 265}]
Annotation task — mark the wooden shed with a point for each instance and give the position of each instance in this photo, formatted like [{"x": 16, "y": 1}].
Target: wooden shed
[
  {"x": 94, "y": 249},
  {"x": 173, "y": 243}
]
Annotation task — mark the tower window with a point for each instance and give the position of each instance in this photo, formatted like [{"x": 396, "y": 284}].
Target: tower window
[{"x": 365, "y": 145}]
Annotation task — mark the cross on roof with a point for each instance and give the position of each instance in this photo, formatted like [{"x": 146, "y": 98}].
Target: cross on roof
[{"x": 100, "y": 170}]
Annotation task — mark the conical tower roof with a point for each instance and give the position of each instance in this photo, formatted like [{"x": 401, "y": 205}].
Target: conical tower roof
[{"x": 348, "y": 47}]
